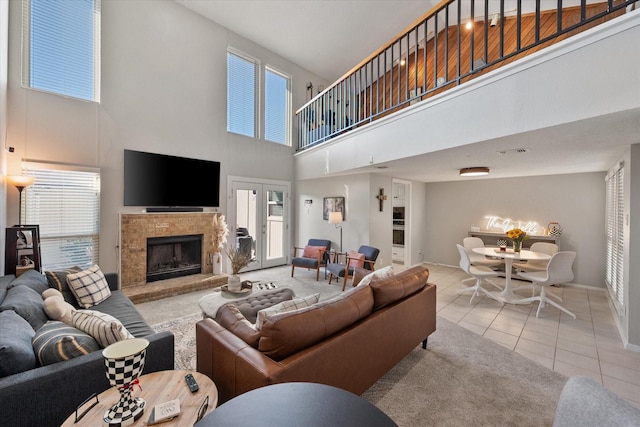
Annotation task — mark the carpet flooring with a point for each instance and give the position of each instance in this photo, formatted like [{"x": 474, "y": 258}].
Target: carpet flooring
[{"x": 461, "y": 379}]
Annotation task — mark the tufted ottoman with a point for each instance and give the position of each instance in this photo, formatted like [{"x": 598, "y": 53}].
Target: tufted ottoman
[{"x": 249, "y": 305}]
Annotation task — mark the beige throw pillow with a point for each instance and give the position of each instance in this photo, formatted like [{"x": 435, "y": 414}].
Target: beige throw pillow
[
  {"x": 103, "y": 327},
  {"x": 285, "y": 306},
  {"x": 382, "y": 273},
  {"x": 89, "y": 286}
]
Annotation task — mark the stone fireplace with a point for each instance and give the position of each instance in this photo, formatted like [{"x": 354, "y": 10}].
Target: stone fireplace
[{"x": 137, "y": 229}]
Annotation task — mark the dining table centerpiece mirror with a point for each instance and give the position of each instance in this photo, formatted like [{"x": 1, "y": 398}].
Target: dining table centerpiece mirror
[
  {"x": 516, "y": 235},
  {"x": 219, "y": 234},
  {"x": 239, "y": 260}
]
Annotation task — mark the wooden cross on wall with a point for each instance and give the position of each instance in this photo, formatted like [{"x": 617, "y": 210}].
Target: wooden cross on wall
[{"x": 381, "y": 197}]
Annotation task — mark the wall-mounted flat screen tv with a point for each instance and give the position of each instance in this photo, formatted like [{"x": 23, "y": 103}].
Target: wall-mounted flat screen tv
[{"x": 159, "y": 180}]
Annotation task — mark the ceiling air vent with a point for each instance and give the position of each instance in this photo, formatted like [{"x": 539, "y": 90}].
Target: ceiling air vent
[{"x": 514, "y": 151}]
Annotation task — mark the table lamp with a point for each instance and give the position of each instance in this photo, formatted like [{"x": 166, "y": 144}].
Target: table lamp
[
  {"x": 20, "y": 182},
  {"x": 336, "y": 218}
]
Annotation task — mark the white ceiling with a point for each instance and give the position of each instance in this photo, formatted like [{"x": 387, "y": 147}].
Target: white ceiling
[{"x": 330, "y": 37}]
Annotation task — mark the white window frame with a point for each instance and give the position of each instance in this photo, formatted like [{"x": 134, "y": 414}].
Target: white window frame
[
  {"x": 68, "y": 213},
  {"x": 26, "y": 53},
  {"x": 257, "y": 91},
  {"x": 614, "y": 263}
]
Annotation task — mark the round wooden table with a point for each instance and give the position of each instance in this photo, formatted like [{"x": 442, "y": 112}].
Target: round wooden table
[
  {"x": 297, "y": 404},
  {"x": 157, "y": 387}
]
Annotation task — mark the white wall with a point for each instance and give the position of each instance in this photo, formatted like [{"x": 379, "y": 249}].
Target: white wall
[
  {"x": 576, "y": 201},
  {"x": 364, "y": 224},
  {"x": 4, "y": 57},
  {"x": 163, "y": 90}
]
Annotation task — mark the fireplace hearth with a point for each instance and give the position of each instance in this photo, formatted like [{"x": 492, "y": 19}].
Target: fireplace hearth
[{"x": 173, "y": 256}]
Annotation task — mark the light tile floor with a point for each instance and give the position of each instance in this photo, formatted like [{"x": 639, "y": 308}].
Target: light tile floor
[{"x": 589, "y": 346}]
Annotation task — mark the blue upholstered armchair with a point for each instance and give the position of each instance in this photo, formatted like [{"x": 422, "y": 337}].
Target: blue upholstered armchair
[
  {"x": 314, "y": 256},
  {"x": 336, "y": 268}
]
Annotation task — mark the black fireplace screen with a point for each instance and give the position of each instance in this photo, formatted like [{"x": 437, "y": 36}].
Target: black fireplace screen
[{"x": 174, "y": 256}]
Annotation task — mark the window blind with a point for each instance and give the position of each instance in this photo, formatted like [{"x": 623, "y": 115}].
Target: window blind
[
  {"x": 66, "y": 205},
  {"x": 241, "y": 94},
  {"x": 61, "y": 47},
  {"x": 277, "y": 107},
  {"x": 615, "y": 237}
]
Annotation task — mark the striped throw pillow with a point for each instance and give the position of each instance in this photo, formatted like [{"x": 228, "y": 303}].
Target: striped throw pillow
[
  {"x": 55, "y": 342},
  {"x": 103, "y": 327},
  {"x": 285, "y": 306},
  {"x": 89, "y": 286},
  {"x": 58, "y": 280}
]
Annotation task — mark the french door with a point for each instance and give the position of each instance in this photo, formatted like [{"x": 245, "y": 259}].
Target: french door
[{"x": 258, "y": 220}]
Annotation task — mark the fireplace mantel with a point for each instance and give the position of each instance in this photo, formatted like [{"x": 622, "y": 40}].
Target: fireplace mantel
[{"x": 135, "y": 228}]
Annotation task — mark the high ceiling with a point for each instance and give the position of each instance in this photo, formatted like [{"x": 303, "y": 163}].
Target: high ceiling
[{"x": 330, "y": 37}]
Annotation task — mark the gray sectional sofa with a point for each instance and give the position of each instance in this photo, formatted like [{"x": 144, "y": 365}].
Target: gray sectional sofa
[{"x": 47, "y": 395}]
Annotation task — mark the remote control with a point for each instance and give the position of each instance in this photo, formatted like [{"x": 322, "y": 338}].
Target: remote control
[{"x": 191, "y": 382}]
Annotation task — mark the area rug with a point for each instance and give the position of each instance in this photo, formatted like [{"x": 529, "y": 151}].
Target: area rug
[{"x": 461, "y": 379}]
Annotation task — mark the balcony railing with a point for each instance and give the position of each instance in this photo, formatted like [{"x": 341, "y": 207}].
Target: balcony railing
[{"x": 452, "y": 44}]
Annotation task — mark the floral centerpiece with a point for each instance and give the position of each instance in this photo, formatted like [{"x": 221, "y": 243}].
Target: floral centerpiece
[
  {"x": 218, "y": 239},
  {"x": 517, "y": 236},
  {"x": 239, "y": 260}
]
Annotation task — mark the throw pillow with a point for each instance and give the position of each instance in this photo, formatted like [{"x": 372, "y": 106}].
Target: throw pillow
[
  {"x": 51, "y": 293},
  {"x": 356, "y": 259},
  {"x": 313, "y": 251},
  {"x": 57, "y": 308},
  {"x": 58, "y": 280},
  {"x": 102, "y": 327},
  {"x": 16, "y": 352},
  {"x": 27, "y": 303},
  {"x": 55, "y": 342},
  {"x": 32, "y": 279},
  {"x": 378, "y": 274},
  {"x": 89, "y": 286},
  {"x": 285, "y": 306}
]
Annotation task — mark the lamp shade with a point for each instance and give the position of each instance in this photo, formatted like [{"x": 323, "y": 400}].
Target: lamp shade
[
  {"x": 335, "y": 217},
  {"x": 20, "y": 181}
]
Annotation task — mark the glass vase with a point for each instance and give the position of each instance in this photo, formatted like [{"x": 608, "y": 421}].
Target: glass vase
[{"x": 517, "y": 246}]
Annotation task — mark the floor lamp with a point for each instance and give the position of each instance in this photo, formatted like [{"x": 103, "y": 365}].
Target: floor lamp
[
  {"x": 20, "y": 182},
  {"x": 336, "y": 218}
]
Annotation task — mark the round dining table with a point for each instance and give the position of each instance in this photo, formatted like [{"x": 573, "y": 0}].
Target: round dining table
[{"x": 507, "y": 295}]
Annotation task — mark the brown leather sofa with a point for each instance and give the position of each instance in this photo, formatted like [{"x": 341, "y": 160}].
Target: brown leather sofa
[{"x": 349, "y": 341}]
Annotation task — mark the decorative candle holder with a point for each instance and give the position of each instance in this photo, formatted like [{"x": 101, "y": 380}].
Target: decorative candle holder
[{"x": 124, "y": 361}]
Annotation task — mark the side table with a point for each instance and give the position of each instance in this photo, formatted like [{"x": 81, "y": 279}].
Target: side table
[{"x": 157, "y": 387}]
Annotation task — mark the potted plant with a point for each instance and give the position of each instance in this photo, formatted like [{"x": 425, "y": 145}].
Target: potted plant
[
  {"x": 239, "y": 260},
  {"x": 218, "y": 239}
]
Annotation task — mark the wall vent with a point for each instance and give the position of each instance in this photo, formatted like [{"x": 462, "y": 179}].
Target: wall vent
[{"x": 514, "y": 151}]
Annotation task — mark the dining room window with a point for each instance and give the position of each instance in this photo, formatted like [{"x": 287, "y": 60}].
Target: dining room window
[{"x": 615, "y": 237}]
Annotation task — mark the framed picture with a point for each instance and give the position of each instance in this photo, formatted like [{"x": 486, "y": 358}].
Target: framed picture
[{"x": 332, "y": 204}]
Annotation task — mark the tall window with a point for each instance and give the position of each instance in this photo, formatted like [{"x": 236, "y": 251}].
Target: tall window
[
  {"x": 65, "y": 203},
  {"x": 277, "y": 107},
  {"x": 61, "y": 47},
  {"x": 615, "y": 236},
  {"x": 242, "y": 74},
  {"x": 244, "y": 99}
]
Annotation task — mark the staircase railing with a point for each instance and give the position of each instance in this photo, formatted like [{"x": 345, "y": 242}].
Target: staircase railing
[{"x": 455, "y": 42}]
